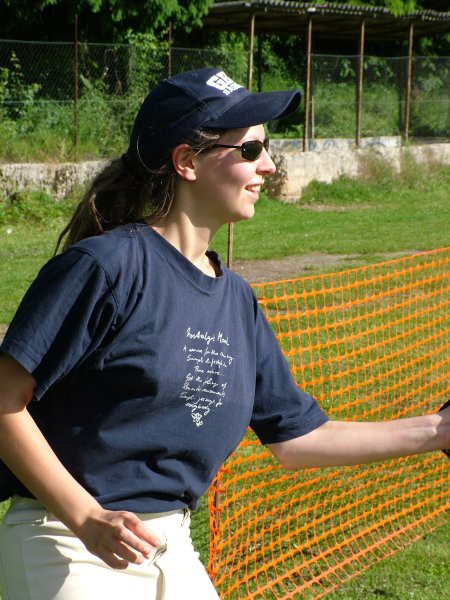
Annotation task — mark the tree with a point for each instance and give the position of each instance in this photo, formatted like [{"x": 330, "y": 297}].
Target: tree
[{"x": 99, "y": 20}]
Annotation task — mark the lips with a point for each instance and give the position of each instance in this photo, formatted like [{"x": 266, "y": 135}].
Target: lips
[{"x": 254, "y": 187}]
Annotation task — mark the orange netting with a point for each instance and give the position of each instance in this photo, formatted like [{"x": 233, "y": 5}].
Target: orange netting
[{"x": 369, "y": 343}]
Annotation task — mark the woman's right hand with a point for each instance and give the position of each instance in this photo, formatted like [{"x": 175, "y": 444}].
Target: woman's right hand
[{"x": 117, "y": 537}]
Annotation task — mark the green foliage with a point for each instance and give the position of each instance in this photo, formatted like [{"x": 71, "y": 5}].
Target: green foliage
[
  {"x": 32, "y": 207},
  {"x": 148, "y": 61},
  {"x": 107, "y": 20},
  {"x": 231, "y": 53},
  {"x": 103, "y": 122},
  {"x": 16, "y": 95},
  {"x": 46, "y": 134}
]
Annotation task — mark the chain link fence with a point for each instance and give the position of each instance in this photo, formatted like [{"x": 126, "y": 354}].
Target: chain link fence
[
  {"x": 334, "y": 96},
  {"x": 60, "y": 101}
]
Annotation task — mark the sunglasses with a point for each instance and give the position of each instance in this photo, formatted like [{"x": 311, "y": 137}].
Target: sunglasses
[{"x": 250, "y": 150}]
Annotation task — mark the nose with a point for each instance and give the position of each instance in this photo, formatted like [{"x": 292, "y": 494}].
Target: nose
[{"x": 266, "y": 164}]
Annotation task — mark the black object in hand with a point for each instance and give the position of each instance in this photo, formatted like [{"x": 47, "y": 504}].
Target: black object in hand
[{"x": 447, "y": 451}]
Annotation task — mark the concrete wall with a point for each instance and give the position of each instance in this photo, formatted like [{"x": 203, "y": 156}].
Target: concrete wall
[
  {"x": 58, "y": 180},
  {"x": 295, "y": 169},
  {"x": 329, "y": 160}
]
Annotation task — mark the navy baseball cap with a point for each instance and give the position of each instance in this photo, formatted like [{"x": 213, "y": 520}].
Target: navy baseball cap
[{"x": 207, "y": 98}]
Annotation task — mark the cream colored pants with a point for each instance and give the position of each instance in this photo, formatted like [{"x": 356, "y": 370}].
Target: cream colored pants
[{"x": 40, "y": 559}]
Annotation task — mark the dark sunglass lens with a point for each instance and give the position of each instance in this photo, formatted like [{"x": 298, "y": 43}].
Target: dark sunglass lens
[
  {"x": 251, "y": 150},
  {"x": 266, "y": 144}
]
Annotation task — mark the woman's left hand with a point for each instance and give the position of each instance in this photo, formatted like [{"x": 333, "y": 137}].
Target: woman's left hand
[{"x": 444, "y": 413}]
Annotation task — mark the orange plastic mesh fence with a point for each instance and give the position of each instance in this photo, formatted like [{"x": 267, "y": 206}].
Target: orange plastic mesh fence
[{"x": 369, "y": 343}]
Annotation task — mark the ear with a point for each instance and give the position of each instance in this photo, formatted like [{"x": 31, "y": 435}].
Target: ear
[{"x": 182, "y": 161}]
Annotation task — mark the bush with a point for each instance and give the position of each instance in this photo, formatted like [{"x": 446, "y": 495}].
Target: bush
[{"x": 28, "y": 207}]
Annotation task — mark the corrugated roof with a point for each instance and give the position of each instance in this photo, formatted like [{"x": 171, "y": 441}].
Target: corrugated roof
[
  {"x": 329, "y": 7},
  {"x": 330, "y": 20}
]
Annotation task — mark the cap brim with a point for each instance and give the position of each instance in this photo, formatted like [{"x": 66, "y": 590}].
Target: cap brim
[{"x": 256, "y": 109}]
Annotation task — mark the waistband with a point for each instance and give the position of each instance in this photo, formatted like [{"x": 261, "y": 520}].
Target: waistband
[{"x": 30, "y": 510}]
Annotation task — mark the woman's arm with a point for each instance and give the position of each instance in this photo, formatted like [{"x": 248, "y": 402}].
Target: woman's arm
[
  {"x": 117, "y": 537},
  {"x": 348, "y": 443}
]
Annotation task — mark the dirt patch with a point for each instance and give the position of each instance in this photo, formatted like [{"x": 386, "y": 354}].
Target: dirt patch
[{"x": 259, "y": 271}]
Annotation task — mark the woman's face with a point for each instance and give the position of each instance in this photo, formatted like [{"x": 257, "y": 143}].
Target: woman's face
[{"x": 227, "y": 186}]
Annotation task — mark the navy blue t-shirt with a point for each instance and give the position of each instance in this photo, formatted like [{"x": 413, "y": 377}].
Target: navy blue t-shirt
[{"x": 149, "y": 371}]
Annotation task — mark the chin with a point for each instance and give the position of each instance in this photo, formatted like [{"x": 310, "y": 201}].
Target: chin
[
  {"x": 248, "y": 212},
  {"x": 243, "y": 216}
]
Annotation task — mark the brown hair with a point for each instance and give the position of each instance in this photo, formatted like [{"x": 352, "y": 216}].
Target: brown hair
[{"x": 123, "y": 193}]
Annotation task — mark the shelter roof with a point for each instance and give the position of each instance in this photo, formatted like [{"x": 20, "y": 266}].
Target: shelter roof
[{"x": 330, "y": 20}]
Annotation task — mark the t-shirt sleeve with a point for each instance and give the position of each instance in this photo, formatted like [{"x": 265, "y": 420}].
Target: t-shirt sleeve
[
  {"x": 281, "y": 410},
  {"x": 62, "y": 319}
]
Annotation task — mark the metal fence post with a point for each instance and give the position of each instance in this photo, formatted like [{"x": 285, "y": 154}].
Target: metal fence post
[
  {"x": 260, "y": 62},
  {"x": 409, "y": 82},
  {"x": 75, "y": 66},
  {"x": 308, "y": 84},
  {"x": 360, "y": 84},
  {"x": 251, "y": 34},
  {"x": 169, "y": 66}
]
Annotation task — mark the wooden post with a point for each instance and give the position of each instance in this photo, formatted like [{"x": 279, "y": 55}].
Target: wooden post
[
  {"x": 169, "y": 62},
  {"x": 230, "y": 245},
  {"x": 260, "y": 62},
  {"x": 448, "y": 96},
  {"x": 360, "y": 84},
  {"x": 409, "y": 82},
  {"x": 308, "y": 83},
  {"x": 251, "y": 41},
  {"x": 75, "y": 70}
]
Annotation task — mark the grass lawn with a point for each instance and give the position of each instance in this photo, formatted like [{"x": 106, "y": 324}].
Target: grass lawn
[
  {"x": 420, "y": 572},
  {"x": 376, "y": 215}
]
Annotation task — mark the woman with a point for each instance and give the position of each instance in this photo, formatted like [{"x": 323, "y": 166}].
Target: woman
[{"x": 136, "y": 362}]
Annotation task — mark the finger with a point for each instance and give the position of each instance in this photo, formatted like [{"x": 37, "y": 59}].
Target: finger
[
  {"x": 135, "y": 543},
  {"x": 112, "y": 560},
  {"x": 142, "y": 532},
  {"x": 127, "y": 554}
]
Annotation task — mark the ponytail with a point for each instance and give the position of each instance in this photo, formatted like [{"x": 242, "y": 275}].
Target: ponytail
[{"x": 124, "y": 192}]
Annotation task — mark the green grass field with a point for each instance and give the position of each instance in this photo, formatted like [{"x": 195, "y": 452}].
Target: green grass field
[
  {"x": 379, "y": 214},
  {"x": 419, "y": 572}
]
